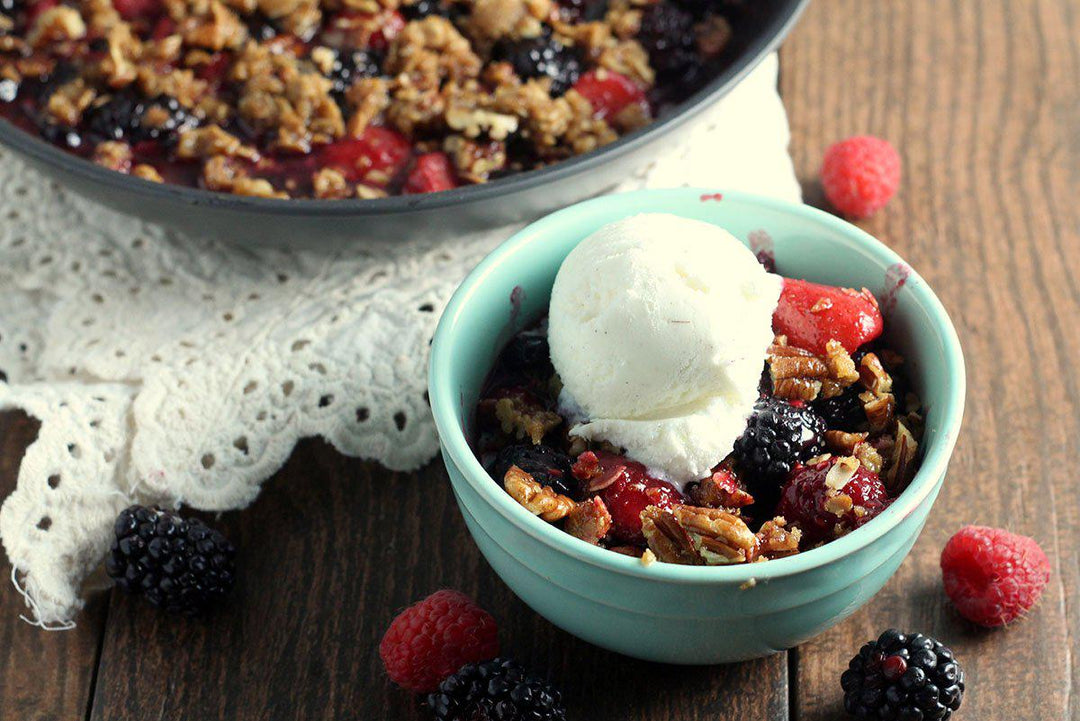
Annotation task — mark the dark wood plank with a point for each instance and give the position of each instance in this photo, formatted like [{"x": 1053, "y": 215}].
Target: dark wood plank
[
  {"x": 330, "y": 551},
  {"x": 43, "y": 676},
  {"x": 982, "y": 101}
]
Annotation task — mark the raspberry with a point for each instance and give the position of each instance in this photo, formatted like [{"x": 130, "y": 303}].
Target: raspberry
[
  {"x": 811, "y": 315},
  {"x": 626, "y": 488},
  {"x": 500, "y": 689},
  {"x": 992, "y": 576},
  {"x": 609, "y": 93},
  {"x": 432, "y": 173},
  {"x": 903, "y": 677},
  {"x": 860, "y": 175},
  {"x": 132, "y": 10},
  {"x": 823, "y": 512},
  {"x": 432, "y": 639},
  {"x": 376, "y": 157}
]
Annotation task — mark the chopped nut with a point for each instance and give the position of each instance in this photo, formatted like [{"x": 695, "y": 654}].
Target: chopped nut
[
  {"x": 56, "y": 24},
  {"x": 900, "y": 468},
  {"x": 523, "y": 419},
  {"x": 869, "y": 457},
  {"x": 720, "y": 537},
  {"x": 719, "y": 491},
  {"x": 873, "y": 375},
  {"x": 113, "y": 155},
  {"x": 147, "y": 172},
  {"x": 667, "y": 538},
  {"x": 839, "y": 504},
  {"x": 880, "y": 410},
  {"x": 841, "y": 472},
  {"x": 211, "y": 141},
  {"x": 589, "y": 520},
  {"x": 537, "y": 499},
  {"x": 330, "y": 183},
  {"x": 648, "y": 558},
  {"x": 843, "y": 443},
  {"x": 776, "y": 540},
  {"x": 821, "y": 305},
  {"x": 840, "y": 365}
]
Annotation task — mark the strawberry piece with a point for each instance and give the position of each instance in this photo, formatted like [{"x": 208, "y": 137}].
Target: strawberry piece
[
  {"x": 132, "y": 10},
  {"x": 432, "y": 173},
  {"x": 391, "y": 26},
  {"x": 626, "y": 488},
  {"x": 214, "y": 70},
  {"x": 163, "y": 28},
  {"x": 34, "y": 10},
  {"x": 609, "y": 92},
  {"x": 377, "y": 157},
  {"x": 811, "y": 315}
]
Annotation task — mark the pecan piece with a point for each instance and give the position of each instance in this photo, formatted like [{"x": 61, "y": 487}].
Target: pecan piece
[
  {"x": 535, "y": 498},
  {"x": 521, "y": 418},
  {"x": 900, "y": 468},
  {"x": 720, "y": 490},
  {"x": 589, "y": 520},
  {"x": 666, "y": 538},
  {"x": 720, "y": 537},
  {"x": 776, "y": 540},
  {"x": 873, "y": 375},
  {"x": 842, "y": 442}
]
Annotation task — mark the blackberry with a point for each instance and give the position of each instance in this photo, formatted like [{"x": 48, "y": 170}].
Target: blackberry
[
  {"x": 903, "y": 677},
  {"x": 260, "y": 27},
  {"x": 545, "y": 464},
  {"x": 667, "y": 34},
  {"x": 844, "y": 412},
  {"x": 583, "y": 10},
  {"x": 131, "y": 118},
  {"x": 61, "y": 135},
  {"x": 777, "y": 436},
  {"x": 541, "y": 57},
  {"x": 528, "y": 351},
  {"x": 496, "y": 690},
  {"x": 350, "y": 67},
  {"x": 180, "y": 565},
  {"x": 423, "y": 8}
]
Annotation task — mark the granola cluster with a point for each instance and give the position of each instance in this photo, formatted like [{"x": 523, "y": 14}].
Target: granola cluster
[
  {"x": 345, "y": 98},
  {"x": 871, "y": 443}
]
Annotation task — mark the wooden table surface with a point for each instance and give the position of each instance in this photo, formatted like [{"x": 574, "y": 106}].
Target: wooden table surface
[{"x": 981, "y": 97}]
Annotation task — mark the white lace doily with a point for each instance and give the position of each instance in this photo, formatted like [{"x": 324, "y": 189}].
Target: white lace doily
[{"x": 173, "y": 370}]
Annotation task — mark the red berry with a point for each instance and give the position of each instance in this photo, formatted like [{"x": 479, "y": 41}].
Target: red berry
[
  {"x": 132, "y": 10},
  {"x": 434, "y": 638},
  {"x": 36, "y": 9},
  {"x": 824, "y": 512},
  {"x": 860, "y": 175},
  {"x": 390, "y": 26},
  {"x": 433, "y": 172},
  {"x": 992, "y": 576},
  {"x": 377, "y": 157},
  {"x": 215, "y": 69},
  {"x": 811, "y": 315},
  {"x": 626, "y": 488},
  {"x": 609, "y": 92}
]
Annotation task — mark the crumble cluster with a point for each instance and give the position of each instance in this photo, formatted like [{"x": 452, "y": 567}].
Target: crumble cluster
[{"x": 344, "y": 98}]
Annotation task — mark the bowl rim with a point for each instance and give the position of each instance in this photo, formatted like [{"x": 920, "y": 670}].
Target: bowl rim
[
  {"x": 757, "y": 49},
  {"x": 455, "y": 445}
]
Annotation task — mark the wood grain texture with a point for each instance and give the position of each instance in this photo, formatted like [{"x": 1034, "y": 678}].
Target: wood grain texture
[
  {"x": 329, "y": 553},
  {"x": 43, "y": 676},
  {"x": 982, "y": 100}
]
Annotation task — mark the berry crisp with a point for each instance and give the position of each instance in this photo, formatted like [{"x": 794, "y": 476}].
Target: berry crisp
[
  {"x": 337, "y": 99},
  {"x": 832, "y": 440}
]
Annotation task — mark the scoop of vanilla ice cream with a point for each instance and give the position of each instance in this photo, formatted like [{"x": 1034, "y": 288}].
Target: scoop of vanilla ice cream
[{"x": 658, "y": 327}]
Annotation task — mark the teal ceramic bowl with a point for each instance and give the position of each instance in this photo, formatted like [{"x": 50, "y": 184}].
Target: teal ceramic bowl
[{"x": 690, "y": 614}]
